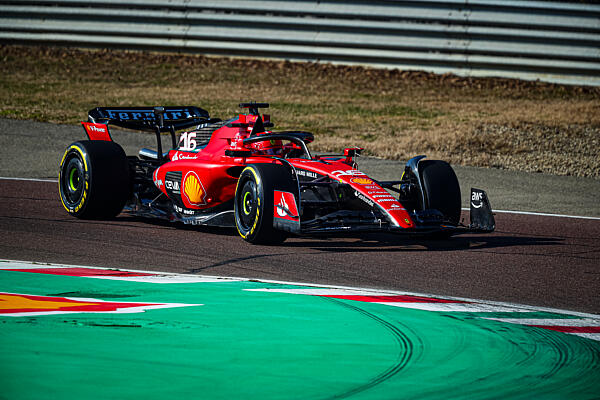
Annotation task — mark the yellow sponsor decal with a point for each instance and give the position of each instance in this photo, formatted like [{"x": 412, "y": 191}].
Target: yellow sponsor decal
[
  {"x": 362, "y": 181},
  {"x": 193, "y": 189}
]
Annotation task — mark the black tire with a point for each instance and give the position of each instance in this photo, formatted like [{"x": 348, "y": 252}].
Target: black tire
[
  {"x": 93, "y": 179},
  {"x": 254, "y": 202},
  {"x": 442, "y": 191}
]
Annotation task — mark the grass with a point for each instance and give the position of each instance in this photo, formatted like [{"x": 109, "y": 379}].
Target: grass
[{"x": 500, "y": 123}]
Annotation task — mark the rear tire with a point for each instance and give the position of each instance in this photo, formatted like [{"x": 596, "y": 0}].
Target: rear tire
[
  {"x": 93, "y": 179},
  {"x": 254, "y": 202},
  {"x": 442, "y": 191}
]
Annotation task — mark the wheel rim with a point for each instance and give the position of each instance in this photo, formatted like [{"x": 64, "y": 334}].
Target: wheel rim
[
  {"x": 72, "y": 180},
  {"x": 248, "y": 204}
]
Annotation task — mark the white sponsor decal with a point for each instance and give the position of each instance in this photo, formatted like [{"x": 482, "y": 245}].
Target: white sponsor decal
[
  {"x": 187, "y": 141},
  {"x": 182, "y": 210},
  {"x": 349, "y": 172},
  {"x": 282, "y": 207},
  {"x": 172, "y": 185},
  {"x": 309, "y": 174},
  {"x": 182, "y": 156},
  {"x": 95, "y": 128},
  {"x": 477, "y": 196}
]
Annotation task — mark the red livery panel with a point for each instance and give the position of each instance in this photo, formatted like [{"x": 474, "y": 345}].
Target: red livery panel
[{"x": 97, "y": 131}]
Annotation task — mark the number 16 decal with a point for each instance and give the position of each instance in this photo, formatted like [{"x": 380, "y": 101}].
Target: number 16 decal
[{"x": 187, "y": 141}]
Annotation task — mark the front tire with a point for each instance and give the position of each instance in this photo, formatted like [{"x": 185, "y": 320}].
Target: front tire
[
  {"x": 93, "y": 179},
  {"x": 254, "y": 202},
  {"x": 442, "y": 191}
]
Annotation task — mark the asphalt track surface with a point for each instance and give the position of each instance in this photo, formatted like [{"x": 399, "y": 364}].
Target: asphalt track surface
[{"x": 536, "y": 260}]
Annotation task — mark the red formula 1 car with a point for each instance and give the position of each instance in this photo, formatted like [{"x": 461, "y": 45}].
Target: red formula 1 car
[{"x": 267, "y": 184}]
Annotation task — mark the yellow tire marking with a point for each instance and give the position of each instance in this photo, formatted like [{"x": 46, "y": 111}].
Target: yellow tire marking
[
  {"x": 84, "y": 197},
  {"x": 258, "y": 200}
]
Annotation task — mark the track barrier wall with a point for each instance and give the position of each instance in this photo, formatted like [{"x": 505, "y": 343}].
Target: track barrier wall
[{"x": 550, "y": 41}]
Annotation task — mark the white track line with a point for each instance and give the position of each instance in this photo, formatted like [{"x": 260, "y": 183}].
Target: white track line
[
  {"x": 464, "y": 209},
  {"x": 549, "y": 322},
  {"x": 8, "y": 178},
  {"x": 539, "y": 214},
  {"x": 593, "y": 336},
  {"x": 582, "y": 323},
  {"x": 413, "y": 304},
  {"x": 154, "y": 277},
  {"x": 478, "y": 307},
  {"x": 318, "y": 292}
]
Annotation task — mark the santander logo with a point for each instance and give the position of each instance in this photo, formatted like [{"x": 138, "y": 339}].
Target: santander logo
[
  {"x": 285, "y": 206},
  {"x": 282, "y": 207}
]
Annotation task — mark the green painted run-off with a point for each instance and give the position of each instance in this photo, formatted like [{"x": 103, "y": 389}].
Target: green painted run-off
[{"x": 256, "y": 345}]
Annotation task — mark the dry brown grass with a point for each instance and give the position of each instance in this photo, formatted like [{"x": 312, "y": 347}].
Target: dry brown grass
[{"x": 501, "y": 123}]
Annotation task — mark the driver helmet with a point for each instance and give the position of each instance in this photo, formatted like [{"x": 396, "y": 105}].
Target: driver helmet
[{"x": 268, "y": 147}]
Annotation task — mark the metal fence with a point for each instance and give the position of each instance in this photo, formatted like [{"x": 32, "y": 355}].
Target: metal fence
[{"x": 550, "y": 41}]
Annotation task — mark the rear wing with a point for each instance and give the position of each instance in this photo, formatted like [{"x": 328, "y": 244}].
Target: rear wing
[
  {"x": 150, "y": 118},
  {"x": 153, "y": 119}
]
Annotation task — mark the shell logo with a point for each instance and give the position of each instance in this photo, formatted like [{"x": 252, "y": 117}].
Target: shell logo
[
  {"x": 362, "y": 181},
  {"x": 193, "y": 189}
]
